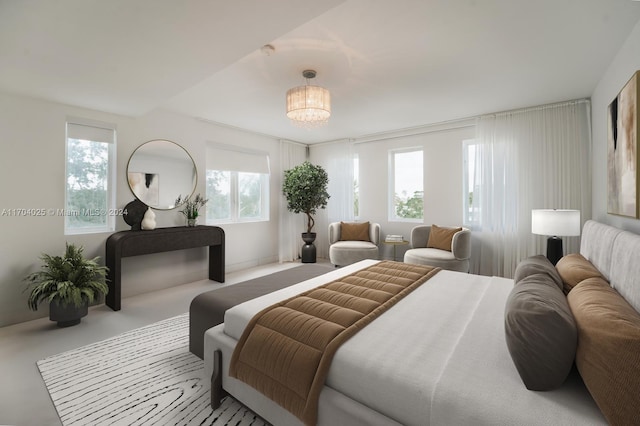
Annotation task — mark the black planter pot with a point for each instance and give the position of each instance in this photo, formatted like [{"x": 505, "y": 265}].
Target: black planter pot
[
  {"x": 308, "y": 249},
  {"x": 67, "y": 315}
]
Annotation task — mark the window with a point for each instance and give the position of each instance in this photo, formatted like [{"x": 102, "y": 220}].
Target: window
[
  {"x": 218, "y": 192},
  {"x": 90, "y": 163},
  {"x": 237, "y": 185},
  {"x": 406, "y": 185},
  {"x": 471, "y": 180}
]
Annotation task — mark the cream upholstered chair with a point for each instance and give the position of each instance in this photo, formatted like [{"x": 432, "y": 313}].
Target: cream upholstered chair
[
  {"x": 447, "y": 248},
  {"x": 353, "y": 242}
]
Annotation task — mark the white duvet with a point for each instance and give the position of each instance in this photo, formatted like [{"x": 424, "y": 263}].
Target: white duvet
[{"x": 438, "y": 357}]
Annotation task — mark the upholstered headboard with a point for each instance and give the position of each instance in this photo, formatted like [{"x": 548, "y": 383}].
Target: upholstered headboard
[{"x": 616, "y": 254}]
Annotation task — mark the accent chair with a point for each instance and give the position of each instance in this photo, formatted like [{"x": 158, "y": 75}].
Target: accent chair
[
  {"x": 353, "y": 242},
  {"x": 444, "y": 247}
]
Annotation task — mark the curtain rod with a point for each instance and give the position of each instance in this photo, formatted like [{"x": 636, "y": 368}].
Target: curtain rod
[
  {"x": 402, "y": 133},
  {"x": 538, "y": 107},
  {"x": 415, "y": 131}
]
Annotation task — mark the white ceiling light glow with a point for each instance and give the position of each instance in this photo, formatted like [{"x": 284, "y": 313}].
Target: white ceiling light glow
[{"x": 308, "y": 106}]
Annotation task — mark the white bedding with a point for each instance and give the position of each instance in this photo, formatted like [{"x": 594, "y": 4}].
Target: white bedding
[
  {"x": 480, "y": 384},
  {"x": 436, "y": 358}
]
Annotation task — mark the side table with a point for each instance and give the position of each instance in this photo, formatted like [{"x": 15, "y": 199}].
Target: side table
[{"x": 395, "y": 244}]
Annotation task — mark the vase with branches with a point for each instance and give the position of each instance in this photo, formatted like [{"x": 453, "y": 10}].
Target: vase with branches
[{"x": 191, "y": 207}]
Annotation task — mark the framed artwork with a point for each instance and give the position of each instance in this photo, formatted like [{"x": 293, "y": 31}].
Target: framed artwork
[
  {"x": 622, "y": 151},
  {"x": 145, "y": 186}
]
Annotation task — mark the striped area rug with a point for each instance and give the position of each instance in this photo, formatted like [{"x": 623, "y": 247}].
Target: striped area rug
[{"x": 146, "y": 376}]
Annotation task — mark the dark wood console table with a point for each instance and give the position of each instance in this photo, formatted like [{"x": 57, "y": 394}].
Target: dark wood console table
[{"x": 135, "y": 243}]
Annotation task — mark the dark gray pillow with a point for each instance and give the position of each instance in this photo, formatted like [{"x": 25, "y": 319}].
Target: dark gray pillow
[
  {"x": 540, "y": 332},
  {"x": 537, "y": 265}
]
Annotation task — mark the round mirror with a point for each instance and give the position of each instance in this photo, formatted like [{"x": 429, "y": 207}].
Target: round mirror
[{"x": 159, "y": 171}]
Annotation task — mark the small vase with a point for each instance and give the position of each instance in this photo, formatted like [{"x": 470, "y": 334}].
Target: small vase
[
  {"x": 192, "y": 222},
  {"x": 149, "y": 220}
]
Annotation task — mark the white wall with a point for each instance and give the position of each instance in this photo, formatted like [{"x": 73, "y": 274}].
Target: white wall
[
  {"x": 624, "y": 65},
  {"x": 32, "y": 175},
  {"x": 442, "y": 179}
]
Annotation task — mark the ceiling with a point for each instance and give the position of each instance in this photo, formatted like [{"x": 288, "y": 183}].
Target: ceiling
[{"x": 389, "y": 65}]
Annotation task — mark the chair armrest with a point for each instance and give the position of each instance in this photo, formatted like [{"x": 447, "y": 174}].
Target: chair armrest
[
  {"x": 334, "y": 232},
  {"x": 374, "y": 233},
  {"x": 461, "y": 244},
  {"x": 420, "y": 236}
]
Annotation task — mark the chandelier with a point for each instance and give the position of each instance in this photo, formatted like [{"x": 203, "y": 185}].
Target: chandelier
[{"x": 308, "y": 106}]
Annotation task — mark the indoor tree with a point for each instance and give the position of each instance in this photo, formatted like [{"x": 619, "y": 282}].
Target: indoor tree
[{"x": 305, "y": 188}]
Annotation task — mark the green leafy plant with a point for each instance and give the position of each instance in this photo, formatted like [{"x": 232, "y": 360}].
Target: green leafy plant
[
  {"x": 71, "y": 279},
  {"x": 191, "y": 208},
  {"x": 305, "y": 188},
  {"x": 411, "y": 207}
]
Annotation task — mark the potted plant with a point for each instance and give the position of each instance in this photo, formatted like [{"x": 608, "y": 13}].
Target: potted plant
[
  {"x": 191, "y": 208},
  {"x": 305, "y": 188},
  {"x": 69, "y": 283}
]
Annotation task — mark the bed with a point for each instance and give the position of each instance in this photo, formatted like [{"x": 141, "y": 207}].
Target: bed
[{"x": 451, "y": 365}]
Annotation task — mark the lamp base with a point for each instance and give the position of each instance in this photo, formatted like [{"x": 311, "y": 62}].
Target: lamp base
[{"x": 554, "y": 249}]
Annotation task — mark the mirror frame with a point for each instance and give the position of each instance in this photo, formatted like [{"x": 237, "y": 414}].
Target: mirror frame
[{"x": 195, "y": 172}]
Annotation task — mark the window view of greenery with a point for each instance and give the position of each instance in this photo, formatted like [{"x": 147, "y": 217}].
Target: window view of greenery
[
  {"x": 250, "y": 196},
  {"x": 218, "y": 192},
  {"x": 408, "y": 192},
  {"x": 87, "y": 184},
  {"x": 236, "y": 196}
]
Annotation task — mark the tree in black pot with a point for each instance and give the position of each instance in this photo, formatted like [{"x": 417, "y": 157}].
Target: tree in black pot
[
  {"x": 69, "y": 283},
  {"x": 305, "y": 188}
]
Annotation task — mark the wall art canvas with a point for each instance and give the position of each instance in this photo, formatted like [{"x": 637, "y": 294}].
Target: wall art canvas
[
  {"x": 146, "y": 187},
  {"x": 622, "y": 151}
]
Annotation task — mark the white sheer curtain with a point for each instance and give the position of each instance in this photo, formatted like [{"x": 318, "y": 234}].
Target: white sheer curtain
[
  {"x": 528, "y": 159},
  {"x": 291, "y": 224},
  {"x": 340, "y": 171},
  {"x": 337, "y": 160}
]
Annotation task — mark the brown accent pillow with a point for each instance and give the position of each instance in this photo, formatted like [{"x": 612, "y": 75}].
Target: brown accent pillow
[
  {"x": 573, "y": 268},
  {"x": 441, "y": 238},
  {"x": 538, "y": 264},
  {"x": 540, "y": 332},
  {"x": 354, "y": 231},
  {"x": 608, "y": 355}
]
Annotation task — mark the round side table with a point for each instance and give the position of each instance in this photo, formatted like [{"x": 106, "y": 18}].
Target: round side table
[{"x": 395, "y": 244}]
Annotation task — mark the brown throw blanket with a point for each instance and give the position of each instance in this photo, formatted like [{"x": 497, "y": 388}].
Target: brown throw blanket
[{"x": 286, "y": 350}]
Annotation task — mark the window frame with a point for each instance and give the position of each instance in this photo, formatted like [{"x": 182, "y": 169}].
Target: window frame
[
  {"x": 235, "y": 161},
  {"x": 392, "y": 216},
  {"x": 234, "y": 200},
  {"x": 110, "y": 194}
]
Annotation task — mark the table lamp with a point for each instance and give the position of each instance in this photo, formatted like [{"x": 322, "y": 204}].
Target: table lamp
[{"x": 556, "y": 224}]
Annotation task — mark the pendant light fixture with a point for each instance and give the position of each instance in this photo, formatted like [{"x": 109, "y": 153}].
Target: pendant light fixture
[{"x": 308, "y": 106}]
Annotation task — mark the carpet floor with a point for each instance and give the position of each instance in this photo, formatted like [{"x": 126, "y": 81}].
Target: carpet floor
[{"x": 146, "y": 376}]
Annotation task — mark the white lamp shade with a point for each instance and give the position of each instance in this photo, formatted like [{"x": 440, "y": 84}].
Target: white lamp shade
[
  {"x": 560, "y": 223},
  {"x": 309, "y": 104}
]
